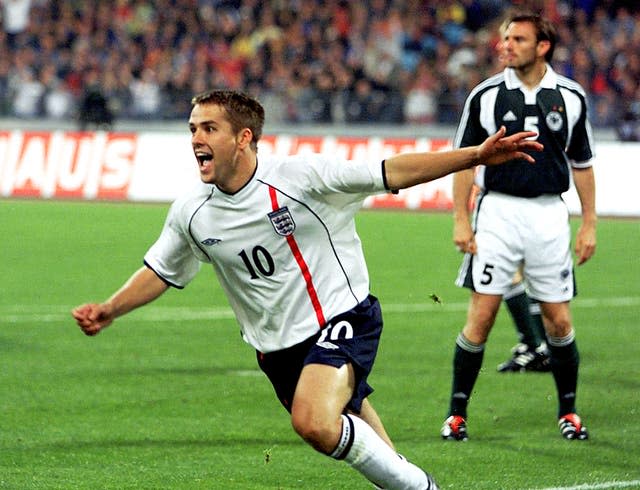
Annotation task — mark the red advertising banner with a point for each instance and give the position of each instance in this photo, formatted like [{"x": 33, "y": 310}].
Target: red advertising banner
[
  {"x": 161, "y": 166},
  {"x": 67, "y": 164}
]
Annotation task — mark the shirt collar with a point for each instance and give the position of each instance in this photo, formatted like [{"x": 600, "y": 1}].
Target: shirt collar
[{"x": 549, "y": 80}]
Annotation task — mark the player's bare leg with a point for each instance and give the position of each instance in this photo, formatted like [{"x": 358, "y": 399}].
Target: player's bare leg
[
  {"x": 557, "y": 318},
  {"x": 481, "y": 316},
  {"x": 317, "y": 416},
  {"x": 321, "y": 395},
  {"x": 370, "y": 416}
]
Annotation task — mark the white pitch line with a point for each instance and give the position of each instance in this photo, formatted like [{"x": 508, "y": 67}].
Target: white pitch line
[
  {"x": 14, "y": 314},
  {"x": 598, "y": 486}
]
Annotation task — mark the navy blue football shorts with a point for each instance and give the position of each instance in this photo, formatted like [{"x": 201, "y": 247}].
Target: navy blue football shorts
[{"x": 349, "y": 338}]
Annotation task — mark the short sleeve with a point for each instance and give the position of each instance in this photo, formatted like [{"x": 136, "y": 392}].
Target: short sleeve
[{"x": 171, "y": 257}]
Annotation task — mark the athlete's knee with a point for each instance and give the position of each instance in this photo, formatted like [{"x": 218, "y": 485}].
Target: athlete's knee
[
  {"x": 560, "y": 327},
  {"x": 321, "y": 432},
  {"x": 557, "y": 319},
  {"x": 478, "y": 327},
  {"x": 476, "y": 334}
]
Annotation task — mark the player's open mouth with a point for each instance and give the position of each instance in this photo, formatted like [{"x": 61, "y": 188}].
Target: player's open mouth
[{"x": 204, "y": 158}]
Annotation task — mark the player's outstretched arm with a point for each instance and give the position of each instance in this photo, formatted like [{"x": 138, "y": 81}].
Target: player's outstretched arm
[
  {"x": 142, "y": 287},
  {"x": 409, "y": 169}
]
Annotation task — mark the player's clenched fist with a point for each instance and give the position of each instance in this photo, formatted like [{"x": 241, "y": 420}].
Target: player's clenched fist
[{"x": 92, "y": 318}]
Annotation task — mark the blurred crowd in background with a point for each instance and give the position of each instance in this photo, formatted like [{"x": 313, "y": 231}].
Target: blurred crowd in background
[{"x": 323, "y": 61}]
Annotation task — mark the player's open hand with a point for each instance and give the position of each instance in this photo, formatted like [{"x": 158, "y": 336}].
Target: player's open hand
[
  {"x": 499, "y": 148},
  {"x": 585, "y": 243},
  {"x": 92, "y": 318}
]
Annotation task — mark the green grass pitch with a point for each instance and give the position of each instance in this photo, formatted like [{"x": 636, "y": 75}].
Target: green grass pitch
[{"x": 170, "y": 397}]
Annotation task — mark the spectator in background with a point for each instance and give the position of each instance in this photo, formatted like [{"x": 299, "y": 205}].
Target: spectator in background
[
  {"x": 27, "y": 92},
  {"x": 628, "y": 128},
  {"x": 604, "y": 110},
  {"x": 94, "y": 107},
  {"x": 5, "y": 107},
  {"x": 146, "y": 95},
  {"x": 57, "y": 101},
  {"x": 321, "y": 104},
  {"x": 178, "y": 91},
  {"x": 15, "y": 20},
  {"x": 420, "y": 102},
  {"x": 94, "y": 110},
  {"x": 364, "y": 103},
  {"x": 634, "y": 106},
  {"x": 463, "y": 57}
]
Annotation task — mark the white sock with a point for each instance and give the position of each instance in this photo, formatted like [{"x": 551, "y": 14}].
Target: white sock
[{"x": 364, "y": 450}]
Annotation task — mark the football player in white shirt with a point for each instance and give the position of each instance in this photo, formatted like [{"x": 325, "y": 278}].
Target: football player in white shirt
[{"x": 280, "y": 235}]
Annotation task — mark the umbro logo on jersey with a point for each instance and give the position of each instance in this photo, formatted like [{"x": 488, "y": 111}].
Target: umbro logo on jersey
[
  {"x": 282, "y": 221},
  {"x": 210, "y": 241},
  {"x": 509, "y": 116}
]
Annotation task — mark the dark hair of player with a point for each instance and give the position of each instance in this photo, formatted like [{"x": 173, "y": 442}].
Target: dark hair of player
[
  {"x": 545, "y": 30},
  {"x": 243, "y": 111}
]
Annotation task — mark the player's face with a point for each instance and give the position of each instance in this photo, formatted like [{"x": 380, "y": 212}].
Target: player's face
[
  {"x": 520, "y": 48},
  {"x": 214, "y": 144}
]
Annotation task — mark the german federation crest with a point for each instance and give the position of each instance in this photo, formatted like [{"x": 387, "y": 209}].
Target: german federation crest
[
  {"x": 554, "y": 120},
  {"x": 282, "y": 221}
]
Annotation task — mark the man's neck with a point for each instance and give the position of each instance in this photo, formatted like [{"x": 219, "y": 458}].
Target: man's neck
[
  {"x": 243, "y": 173},
  {"x": 532, "y": 75}
]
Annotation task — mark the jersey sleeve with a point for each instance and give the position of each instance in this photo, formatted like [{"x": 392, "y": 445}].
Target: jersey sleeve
[
  {"x": 350, "y": 177},
  {"x": 580, "y": 149},
  {"x": 470, "y": 131},
  {"x": 338, "y": 181},
  {"x": 171, "y": 256}
]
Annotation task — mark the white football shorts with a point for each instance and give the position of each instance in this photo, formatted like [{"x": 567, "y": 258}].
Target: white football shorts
[{"x": 514, "y": 231}]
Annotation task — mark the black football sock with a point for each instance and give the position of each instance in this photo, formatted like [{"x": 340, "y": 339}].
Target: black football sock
[
  {"x": 467, "y": 361},
  {"x": 565, "y": 360},
  {"x": 519, "y": 308},
  {"x": 536, "y": 320}
]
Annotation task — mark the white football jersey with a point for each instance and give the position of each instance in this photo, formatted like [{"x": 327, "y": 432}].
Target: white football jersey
[{"x": 284, "y": 247}]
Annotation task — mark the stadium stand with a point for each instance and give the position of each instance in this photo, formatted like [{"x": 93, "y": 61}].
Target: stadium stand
[{"x": 330, "y": 61}]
